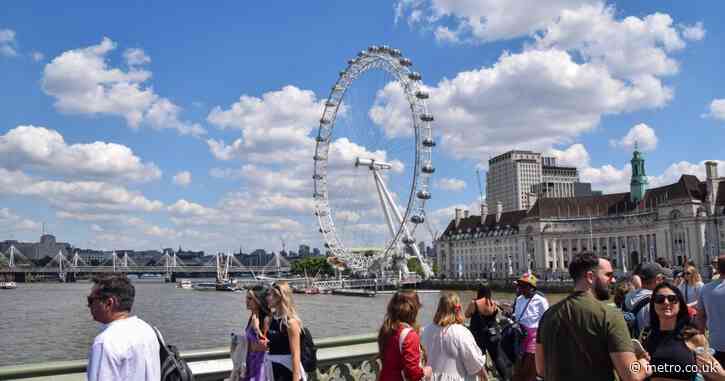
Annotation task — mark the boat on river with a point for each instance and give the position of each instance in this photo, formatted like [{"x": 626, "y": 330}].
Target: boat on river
[
  {"x": 8, "y": 285},
  {"x": 354, "y": 292},
  {"x": 205, "y": 286},
  {"x": 225, "y": 285},
  {"x": 185, "y": 284}
]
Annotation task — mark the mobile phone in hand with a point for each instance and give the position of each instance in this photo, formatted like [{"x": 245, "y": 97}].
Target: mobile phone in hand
[{"x": 639, "y": 350}]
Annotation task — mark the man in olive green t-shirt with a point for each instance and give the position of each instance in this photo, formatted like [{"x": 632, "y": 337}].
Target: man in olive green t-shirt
[{"x": 582, "y": 338}]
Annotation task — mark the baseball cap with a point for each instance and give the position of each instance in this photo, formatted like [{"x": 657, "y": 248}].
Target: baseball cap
[
  {"x": 649, "y": 271},
  {"x": 528, "y": 278}
]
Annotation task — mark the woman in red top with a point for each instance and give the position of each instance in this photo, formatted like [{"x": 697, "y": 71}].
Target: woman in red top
[{"x": 401, "y": 360}]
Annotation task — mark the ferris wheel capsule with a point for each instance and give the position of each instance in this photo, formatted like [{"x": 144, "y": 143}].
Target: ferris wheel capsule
[
  {"x": 428, "y": 142},
  {"x": 415, "y": 76}
]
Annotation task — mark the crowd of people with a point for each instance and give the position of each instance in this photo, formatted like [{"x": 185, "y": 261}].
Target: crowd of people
[{"x": 662, "y": 325}]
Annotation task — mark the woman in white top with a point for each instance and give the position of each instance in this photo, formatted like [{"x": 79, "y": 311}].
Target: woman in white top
[
  {"x": 692, "y": 285},
  {"x": 450, "y": 348}
]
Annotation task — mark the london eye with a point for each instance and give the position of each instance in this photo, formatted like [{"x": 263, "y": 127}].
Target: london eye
[{"x": 401, "y": 211}]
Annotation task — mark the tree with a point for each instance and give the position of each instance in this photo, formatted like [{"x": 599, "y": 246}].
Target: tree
[
  {"x": 415, "y": 267},
  {"x": 312, "y": 265}
]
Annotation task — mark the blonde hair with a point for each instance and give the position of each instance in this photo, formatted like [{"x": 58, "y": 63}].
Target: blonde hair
[
  {"x": 449, "y": 310},
  {"x": 285, "y": 309},
  {"x": 696, "y": 277}
]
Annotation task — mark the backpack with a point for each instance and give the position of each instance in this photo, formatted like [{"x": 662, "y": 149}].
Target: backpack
[
  {"x": 173, "y": 367},
  {"x": 630, "y": 316},
  {"x": 308, "y": 351}
]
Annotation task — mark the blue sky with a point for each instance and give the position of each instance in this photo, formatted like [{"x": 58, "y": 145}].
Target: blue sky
[{"x": 140, "y": 126}]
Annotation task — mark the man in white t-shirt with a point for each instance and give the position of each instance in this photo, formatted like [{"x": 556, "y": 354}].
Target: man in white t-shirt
[
  {"x": 127, "y": 348},
  {"x": 528, "y": 310}
]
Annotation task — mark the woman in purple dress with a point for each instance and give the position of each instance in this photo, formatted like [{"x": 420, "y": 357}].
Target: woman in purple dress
[{"x": 256, "y": 337}]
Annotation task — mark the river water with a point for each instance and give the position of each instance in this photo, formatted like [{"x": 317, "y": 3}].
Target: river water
[{"x": 50, "y": 321}]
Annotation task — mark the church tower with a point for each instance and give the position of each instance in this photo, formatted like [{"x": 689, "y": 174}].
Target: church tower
[{"x": 638, "y": 185}]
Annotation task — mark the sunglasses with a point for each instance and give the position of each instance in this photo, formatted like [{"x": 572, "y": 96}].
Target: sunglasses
[
  {"x": 92, "y": 299},
  {"x": 687, "y": 273},
  {"x": 660, "y": 299}
]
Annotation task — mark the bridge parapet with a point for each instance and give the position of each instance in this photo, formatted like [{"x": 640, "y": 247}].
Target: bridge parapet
[{"x": 350, "y": 358}]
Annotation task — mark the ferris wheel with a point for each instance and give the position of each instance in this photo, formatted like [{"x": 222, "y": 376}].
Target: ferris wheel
[{"x": 401, "y": 221}]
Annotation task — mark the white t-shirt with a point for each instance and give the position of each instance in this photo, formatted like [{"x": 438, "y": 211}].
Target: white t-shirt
[
  {"x": 125, "y": 350},
  {"x": 532, "y": 315},
  {"x": 691, "y": 293},
  {"x": 452, "y": 352}
]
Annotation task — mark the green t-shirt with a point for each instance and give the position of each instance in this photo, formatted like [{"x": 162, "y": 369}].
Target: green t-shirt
[{"x": 580, "y": 322}]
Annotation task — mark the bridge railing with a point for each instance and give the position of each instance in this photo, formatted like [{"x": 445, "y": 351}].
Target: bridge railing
[
  {"x": 148, "y": 269},
  {"x": 351, "y": 358}
]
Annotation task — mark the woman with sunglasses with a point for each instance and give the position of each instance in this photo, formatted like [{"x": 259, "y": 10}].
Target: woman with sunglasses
[
  {"x": 284, "y": 328},
  {"x": 676, "y": 348},
  {"x": 691, "y": 286},
  {"x": 398, "y": 340},
  {"x": 256, "y": 369}
]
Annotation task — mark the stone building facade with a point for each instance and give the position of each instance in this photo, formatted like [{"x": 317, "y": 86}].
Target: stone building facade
[
  {"x": 681, "y": 221},
  {"x": 46, "y": 247}
]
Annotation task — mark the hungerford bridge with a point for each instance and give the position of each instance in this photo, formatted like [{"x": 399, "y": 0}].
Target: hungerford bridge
[{"x": 15, "y": 264}]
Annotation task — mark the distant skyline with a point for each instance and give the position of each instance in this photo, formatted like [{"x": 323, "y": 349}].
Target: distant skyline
[{"x": 139, "y": 126}]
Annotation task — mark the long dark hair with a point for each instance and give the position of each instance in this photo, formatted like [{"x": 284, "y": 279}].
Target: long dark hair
[
  {"x": 259, "y": 294},
  {"x": 402, "y": 308},
  {"x": 684, "y": 329}
]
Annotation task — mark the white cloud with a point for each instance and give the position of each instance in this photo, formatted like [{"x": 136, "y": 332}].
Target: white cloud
[
  {"x": 8, "y": 44},
  {"x": 444, "y": 34},
  {"x": 641, "y": 135},
  {"x": 37, "y": 56},
  {"x": 274, "y": 127},
  {"x": 45, "y": 150},
  {"x": 675, "y": 170},
  {"x": 717, "y": 110},
  {"x": 607, "y": 178},
  {"x": 450, "y": 184},
  {"x": 484, "y": 112},
  {"x": 221, "y": 151},
  {"x": 484, "y": 20},
  {"x": 574, "y": 156},
  {"x": 165, "y": 114},
  {"x": 135, "y": 57},
  {"x": 183, "y": 208},
  {"x": 182, "y": 178},
  {"x": 581, "y": 63},
  {"x": 12, "y": 222},
  {"x": 694, "y": 32},
  {"x": 630, "y": 48},
  {"x": 76, "y": 196},
  {"x": 82, "y": 82},
  {"x": 610, "y": 179}
]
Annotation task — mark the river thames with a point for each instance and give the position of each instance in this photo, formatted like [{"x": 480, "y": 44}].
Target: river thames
[{"x": 50, "y": 321}]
